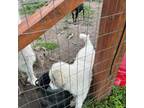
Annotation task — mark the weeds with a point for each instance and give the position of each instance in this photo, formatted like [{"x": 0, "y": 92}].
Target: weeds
[
  {"x": 117, "y": 99},
  {"x": 47, "y": 45},
  {"x": 30, "y": 8}
]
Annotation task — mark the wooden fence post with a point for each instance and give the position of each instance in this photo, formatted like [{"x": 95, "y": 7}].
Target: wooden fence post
[{"x": 112, "y": 25}]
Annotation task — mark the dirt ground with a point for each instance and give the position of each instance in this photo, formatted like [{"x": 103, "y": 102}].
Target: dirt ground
[{"x": 66, "y": 34}]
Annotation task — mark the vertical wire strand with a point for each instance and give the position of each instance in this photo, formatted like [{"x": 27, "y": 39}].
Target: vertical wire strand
[
  {"x": 25, "y": 14},
  {"x": 97, "y": 20},
  {"x": 58, "y": 43},
  {"x": 22, "y": 52},
  {"x": 91, "y": 62},
  {"x": 37, "y": 98},
  {"x": 87, "y": 28},
  {"x": 69, "y": 64},
  {"x": 96, "y": 31},
  {"x": 78, "y": 33},
  {"x": 27, "y": 68},
  {"x": 45, "y": 41},
  {"x": 40, "y": 11},
  {"x": 97, "y": 24},
  {"x": 59, "y": 47}
]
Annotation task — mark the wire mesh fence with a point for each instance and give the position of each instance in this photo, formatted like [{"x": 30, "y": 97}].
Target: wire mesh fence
[{"x": 55, "y": 70}]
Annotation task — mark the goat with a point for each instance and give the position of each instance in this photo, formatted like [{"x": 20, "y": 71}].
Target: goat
[
  {"x": 75, "y": 78},
  {"x": 26, "y": 59},
  {"x": 76, "y": 11}
]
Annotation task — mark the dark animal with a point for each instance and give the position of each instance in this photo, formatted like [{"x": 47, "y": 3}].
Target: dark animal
[
  {"x": 57, "y": 98},
  {"x": 76, "y": 11}
]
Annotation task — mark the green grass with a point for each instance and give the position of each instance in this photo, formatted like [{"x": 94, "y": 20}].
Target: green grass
[
  {"x": 88, "y": 10},
  {"x": 117, "y": 99},
  {"x": 30, "y": 8},
  {"x": 97, "y": 0},
  {"x": 47, "y": 45}
]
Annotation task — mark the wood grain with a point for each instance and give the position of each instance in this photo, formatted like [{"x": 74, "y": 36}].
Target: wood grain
[{"x": 112, "y": 23}]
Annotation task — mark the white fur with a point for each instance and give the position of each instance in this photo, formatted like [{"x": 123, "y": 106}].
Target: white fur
[
  {"x": 26, "y": 59},
  {"x": 76, "y": 77}
]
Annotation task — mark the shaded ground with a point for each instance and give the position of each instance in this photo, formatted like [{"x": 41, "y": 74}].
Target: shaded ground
[{"x": 65, "y": 34}]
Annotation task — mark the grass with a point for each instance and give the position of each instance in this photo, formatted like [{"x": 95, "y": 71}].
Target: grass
[
  {"x": 88, "y": 10},
  {"x": 47, "y": 45},
  {"x": 97, "y": 0},
  {"x": 30, "y": 8},
  {"x": 117, "y": 99}
]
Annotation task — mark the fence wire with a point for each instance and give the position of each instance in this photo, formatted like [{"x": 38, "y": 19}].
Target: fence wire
[{"x": 61, "y": 43}]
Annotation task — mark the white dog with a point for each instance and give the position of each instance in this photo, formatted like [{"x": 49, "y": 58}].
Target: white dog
[{"x": 76, "y": 77}]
